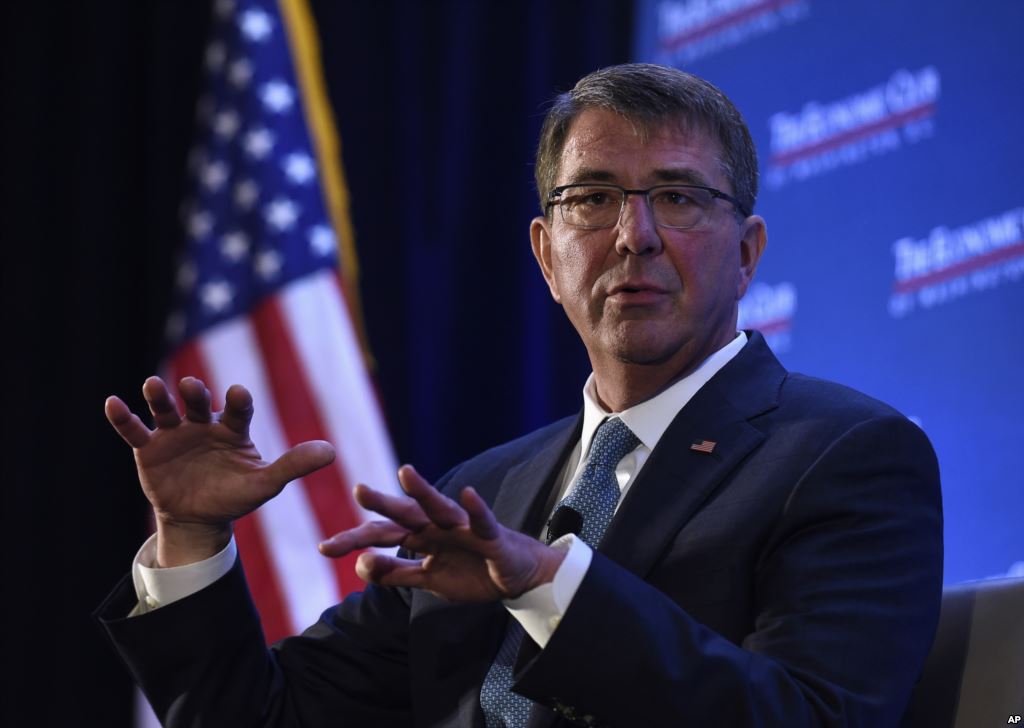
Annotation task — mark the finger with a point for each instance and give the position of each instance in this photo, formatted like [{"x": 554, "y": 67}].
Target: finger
[
  {"x": 196, "y": 398},
  {"x": 301, "y": 460},
  {"x": 401, "y": 509},
  {"x": 161, "y": 403},
  {"x": 390, "y": 570},
  {"x": 440, "y": 509},
  {"x": 125, "y": 422},
  {"x": 481, "y": 518},
  {"x": 238, "y": 410},
  {"x": 381, "y": 534}
]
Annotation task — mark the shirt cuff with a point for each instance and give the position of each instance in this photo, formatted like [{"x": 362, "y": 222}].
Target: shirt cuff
[
  {"x": 156, "y": 587},
  {"x": 540, "y": 610}
]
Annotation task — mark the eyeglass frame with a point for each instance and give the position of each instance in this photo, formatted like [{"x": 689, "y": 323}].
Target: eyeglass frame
[{"x": 716, "y": 194}]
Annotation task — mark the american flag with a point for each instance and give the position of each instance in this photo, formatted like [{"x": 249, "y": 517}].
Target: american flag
[{"x": 263, "y": 295}]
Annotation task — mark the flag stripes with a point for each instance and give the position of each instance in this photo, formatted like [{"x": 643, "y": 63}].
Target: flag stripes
[
  {"x": 265, "y": 297},
  {"x": 326, "y": 490},
  {"x": 279, "y": 544}
]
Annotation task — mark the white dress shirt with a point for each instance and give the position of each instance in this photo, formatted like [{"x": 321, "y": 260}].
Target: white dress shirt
[{"x": 538, "y": 610}]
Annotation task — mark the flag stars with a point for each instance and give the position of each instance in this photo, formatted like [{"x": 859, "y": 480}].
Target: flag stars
[
  {"x": 216, "y": 296},
  {"x": 200, "y": 224},
  {"x": 268, "y": 264},
  {"x": 281, "y": 214},
  {"x": 258, "y": 143},
  {"x": 299, "y": 167},
  {"x": 246, "y": 194},
  {"x": 235, "y": 246},
  {"x": 255, "y": 25},
  {"x": 240, "y": 73},
  {"x": 250, "y": 178},
  {"x": 321, "y": 240},
  {"x": 214, "y": 175},
  {"x": 225, "y": 124},
  {"x": 277, "y": 96}
]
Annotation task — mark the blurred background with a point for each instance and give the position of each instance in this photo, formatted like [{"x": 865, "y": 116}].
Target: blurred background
[{"x": 890, "y": 148}]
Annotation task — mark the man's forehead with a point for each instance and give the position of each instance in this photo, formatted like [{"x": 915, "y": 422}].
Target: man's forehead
[{"x": 672, "y": 149}]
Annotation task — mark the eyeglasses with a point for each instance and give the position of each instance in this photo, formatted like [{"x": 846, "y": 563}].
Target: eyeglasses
[{"x": 596, "y": 206}]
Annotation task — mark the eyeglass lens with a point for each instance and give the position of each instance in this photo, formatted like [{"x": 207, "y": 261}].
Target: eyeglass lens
[{"x": 598, "y": 206}]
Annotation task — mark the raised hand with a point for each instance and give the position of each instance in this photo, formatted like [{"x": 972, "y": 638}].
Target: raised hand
[
  {"x": 201, "y": 471},
  {"x": 462, "y": 552}
]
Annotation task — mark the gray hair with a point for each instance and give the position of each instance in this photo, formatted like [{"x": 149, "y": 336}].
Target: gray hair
[{"x": 651, "y": 96}]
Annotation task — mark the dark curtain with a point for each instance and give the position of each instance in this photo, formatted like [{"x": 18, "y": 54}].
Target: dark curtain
[{"x": 438, "y": 104}]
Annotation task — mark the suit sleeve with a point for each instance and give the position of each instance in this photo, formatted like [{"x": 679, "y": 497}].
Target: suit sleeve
[
  {"x": 203, "y": 660},
  {"x": 846, "y": 591}
]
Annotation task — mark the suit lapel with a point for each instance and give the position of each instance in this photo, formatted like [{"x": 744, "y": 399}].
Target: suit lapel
[
  {"x": 526, "y": 485},
  {"x": 677, "y": 481}
]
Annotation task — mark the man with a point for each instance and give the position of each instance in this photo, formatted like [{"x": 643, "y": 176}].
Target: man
[{"x": 755, "y": 547}]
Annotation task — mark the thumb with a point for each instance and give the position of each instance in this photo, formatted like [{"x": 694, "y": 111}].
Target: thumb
[{"x": 301, "y": 460}]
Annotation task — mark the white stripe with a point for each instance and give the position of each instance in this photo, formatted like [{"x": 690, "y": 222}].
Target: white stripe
[
  {"x": 288, "y": 524},
  {"x": 326, "y": 343}
]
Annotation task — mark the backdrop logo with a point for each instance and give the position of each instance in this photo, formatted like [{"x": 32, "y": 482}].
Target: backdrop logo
[
  {"x": 824, "y": 136},
  {"x": 690, "y": 29},
  {"x": 770, "y": 310},
  {"x": 953, "y": 263}
]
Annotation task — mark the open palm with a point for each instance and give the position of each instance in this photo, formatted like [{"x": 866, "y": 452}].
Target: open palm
[{"x": 201, "y": 471}]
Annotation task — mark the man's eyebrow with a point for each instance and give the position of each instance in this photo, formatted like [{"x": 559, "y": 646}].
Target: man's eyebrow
[
  {"x": 682, "y": 175},
  {"x": 590, "y": 174}
]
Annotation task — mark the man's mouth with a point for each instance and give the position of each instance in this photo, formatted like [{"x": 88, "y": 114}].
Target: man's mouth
[{"x": 636, "y": 293}]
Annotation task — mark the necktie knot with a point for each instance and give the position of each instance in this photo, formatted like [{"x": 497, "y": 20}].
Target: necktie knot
[
  {"x": 612, "y": 442},
  {"x": 596, "y": 492}
]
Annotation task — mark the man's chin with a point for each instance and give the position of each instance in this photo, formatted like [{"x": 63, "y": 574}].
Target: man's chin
[
  {"x": 641, "y": 344},
  {"x": 646, "y": 350}
]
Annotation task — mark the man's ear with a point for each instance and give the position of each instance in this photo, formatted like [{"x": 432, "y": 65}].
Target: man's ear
[
  {"x": 753, "y": 238},
  {"x": 540, "y": 241}
]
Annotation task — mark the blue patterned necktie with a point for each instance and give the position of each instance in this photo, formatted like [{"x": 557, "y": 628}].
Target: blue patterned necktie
[{"x": 594, "y": 497}]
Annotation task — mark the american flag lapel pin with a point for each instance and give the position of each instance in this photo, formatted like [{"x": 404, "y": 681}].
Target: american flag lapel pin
[{"x": 704, "y": 446}]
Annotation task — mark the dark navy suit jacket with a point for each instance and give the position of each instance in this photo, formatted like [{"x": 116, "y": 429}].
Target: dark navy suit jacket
[{"x": 790, "y": 577}]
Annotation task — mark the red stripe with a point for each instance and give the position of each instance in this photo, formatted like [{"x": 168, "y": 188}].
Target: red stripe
[
  {"x": 784, "y": 159},
  {"x": 259, "y": 570},
  {"x": 958, "y": 269},
  {"x": 263, "y": 584},
  {"x": 327, "y": 490},
  {"x": 692, "y": 35}
]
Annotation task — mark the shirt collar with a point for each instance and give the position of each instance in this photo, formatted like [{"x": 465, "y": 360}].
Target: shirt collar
[{"x": 649, "y": 419}]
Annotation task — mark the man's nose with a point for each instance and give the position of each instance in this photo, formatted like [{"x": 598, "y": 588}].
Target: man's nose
[{"x": 637, "y": 232}]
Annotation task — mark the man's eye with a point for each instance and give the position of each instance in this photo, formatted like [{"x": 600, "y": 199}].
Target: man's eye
[
  {"x": 673, "y": 198},
  {"x": 594, "y": 198}
]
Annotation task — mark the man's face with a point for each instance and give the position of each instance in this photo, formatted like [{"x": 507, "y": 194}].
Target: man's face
[{"x": 638, "y": 293}]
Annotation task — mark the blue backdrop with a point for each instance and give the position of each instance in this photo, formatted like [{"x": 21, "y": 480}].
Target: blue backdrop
[{"x": 889, "y": 137}]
